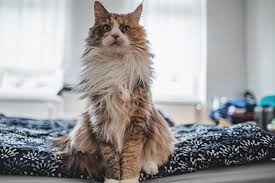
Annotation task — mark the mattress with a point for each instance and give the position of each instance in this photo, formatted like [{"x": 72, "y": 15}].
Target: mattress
[
  {"x": 262, "y": 172},
  {"x": 25, "y": 149}
]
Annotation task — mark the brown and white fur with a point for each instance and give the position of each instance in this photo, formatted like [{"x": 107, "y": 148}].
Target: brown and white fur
[{"x": 121, "y": 132}]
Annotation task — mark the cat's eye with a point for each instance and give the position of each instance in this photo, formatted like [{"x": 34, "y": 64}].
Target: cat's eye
[
  {"x": 125, "y": 28},
  {"x": 106, "y": 28}
]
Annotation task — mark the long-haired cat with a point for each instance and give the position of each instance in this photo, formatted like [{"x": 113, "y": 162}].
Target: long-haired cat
[{"x": 121, "y": 132}]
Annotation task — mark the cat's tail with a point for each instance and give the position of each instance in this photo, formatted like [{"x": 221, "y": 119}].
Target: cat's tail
[{"x": 80, "y": 149}]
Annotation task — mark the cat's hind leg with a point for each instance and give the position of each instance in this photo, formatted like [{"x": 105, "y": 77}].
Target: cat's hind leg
[
  {"x": 158, "y": 146},
  {"x": 150, "y": 167},
  {"x": 80, "y": 149}
]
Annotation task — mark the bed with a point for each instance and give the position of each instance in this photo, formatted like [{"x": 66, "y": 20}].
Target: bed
[
  {"x": 223, "y": 154},
  {"x": 262, "y": 172}
]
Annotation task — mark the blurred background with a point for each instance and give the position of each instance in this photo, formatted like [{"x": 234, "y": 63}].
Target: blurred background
[{"x": 208, "y": 54}]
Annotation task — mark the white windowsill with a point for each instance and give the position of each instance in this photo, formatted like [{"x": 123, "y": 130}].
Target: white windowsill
[{"x": 29, "y": 95}]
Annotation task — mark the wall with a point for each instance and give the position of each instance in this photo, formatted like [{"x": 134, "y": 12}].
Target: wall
[
  {"x": 260, "y": 46},
  {"x": 225, "y": 48},
  {"x": 240, "y": 47}
]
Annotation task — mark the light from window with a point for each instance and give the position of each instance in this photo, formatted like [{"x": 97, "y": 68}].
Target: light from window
[
  {"x": 175, "y": 30},
  {"x": 32, "y": 44}
]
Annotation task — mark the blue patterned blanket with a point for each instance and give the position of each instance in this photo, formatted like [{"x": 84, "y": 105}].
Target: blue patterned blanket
[{"x": 24, "y": 148}]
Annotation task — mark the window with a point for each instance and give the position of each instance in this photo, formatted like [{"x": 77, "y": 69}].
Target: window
[
  {"x": 32, "y": 43},
  {"x": 31, "y": 46},
  {"x": 175, "y": 30}
]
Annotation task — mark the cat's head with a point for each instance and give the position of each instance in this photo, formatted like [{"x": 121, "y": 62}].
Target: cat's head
[{"x": 117, "y": 32}]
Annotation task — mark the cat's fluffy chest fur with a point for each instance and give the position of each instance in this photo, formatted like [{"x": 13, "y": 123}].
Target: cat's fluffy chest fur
[{"x": 110, "y": 81}]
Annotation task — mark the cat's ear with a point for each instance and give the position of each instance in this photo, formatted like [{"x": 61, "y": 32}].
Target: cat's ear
[
  {"x": 100, "y": 11},
  {"x": 137, "y": 13}
]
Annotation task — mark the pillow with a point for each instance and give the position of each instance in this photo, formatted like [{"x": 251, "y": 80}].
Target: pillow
[{"x": 24, "y": 148}]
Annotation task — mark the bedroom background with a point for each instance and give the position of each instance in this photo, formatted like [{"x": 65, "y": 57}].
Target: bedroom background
[{"x": 220, "y": 49}]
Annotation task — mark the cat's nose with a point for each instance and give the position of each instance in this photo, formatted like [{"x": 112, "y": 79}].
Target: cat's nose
[{"x": 115, "y": 36}]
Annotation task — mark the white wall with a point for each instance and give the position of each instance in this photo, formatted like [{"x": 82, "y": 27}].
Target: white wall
[
  {"x": 225, "y": 48},
  {"x": 260, "y": 46},
  {"x": 240, "y": 47}
]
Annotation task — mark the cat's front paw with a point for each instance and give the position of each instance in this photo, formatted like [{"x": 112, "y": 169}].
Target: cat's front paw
[
  {"x": 134, "y": 180},
  {"x": 111, "y": 181},
  {"x": 150, "y": 167}
]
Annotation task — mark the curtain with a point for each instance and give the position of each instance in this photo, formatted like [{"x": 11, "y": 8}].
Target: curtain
[
  {"x": 175, "y": 30},
  {"x": 32, "y": 44}
]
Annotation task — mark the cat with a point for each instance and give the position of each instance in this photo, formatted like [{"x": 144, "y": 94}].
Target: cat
[{"x": 121, "y": 133}]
